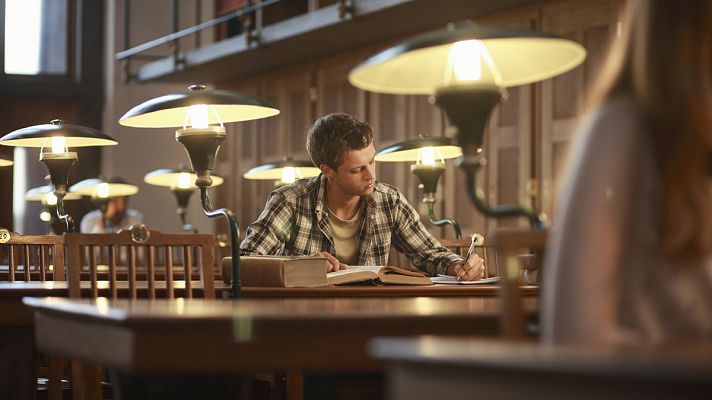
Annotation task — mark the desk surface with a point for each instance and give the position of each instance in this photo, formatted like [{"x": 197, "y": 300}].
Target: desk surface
[
  {"x": 268, "y": 334},
  {"x": 437, "y": 368}
]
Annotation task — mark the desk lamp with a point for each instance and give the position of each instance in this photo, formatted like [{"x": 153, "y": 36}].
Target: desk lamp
[
  {"x": 54, "y": 139},
  {"x": 181, "y": 182},
  {"x": 466, "y": 68},
  {"x": 5, "y": 163},
  {"x": 200, "y": 114},
  {"x": 429, "y": 154},
  {"x": 45, "y": 195},
  {"x": 283, "y": 172}
]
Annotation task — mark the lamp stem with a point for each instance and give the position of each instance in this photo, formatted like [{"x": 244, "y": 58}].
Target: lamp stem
[
  {"x": 68, "y": 220},
  {"x": 234, "y": 238},
  {"x": 444, "y": 221},
  {"x": 499, "y": 211}
]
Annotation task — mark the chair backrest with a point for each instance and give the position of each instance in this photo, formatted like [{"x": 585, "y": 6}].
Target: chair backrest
[
  {"x": 140, "y": 259},
  {"x": 30, "y": 257}
]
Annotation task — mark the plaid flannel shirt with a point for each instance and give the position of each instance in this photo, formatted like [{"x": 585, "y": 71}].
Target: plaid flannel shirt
[{"x": 295, "y": 222}]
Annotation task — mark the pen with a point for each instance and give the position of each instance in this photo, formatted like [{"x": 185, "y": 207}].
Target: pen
[{"x": 470, "y": 250}]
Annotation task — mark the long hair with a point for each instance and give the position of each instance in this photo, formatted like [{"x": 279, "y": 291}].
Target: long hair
[{"x": 663, "y": 58}]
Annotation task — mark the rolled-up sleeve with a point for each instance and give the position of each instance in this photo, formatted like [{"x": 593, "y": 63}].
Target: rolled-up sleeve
[{"x": 415, "y": 242}]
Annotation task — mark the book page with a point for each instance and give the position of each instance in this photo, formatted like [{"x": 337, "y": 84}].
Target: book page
[
  {"x": 452, "y": 280},
  {"x": 356, "y": 268}
]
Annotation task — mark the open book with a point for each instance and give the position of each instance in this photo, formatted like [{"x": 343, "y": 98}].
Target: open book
[{"x": 388, "y": 275}]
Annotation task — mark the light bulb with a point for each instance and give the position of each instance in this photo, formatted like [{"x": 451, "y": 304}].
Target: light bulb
[
  {"x": 466, "y": 59},
  {"x": 469, "y": 61},
  {"x": 59, "y": 144},
  {"x": 102, "y": 190},
  {"x": 45, "y": 215},
  {"x": 429, "y": 156},
  {"x": 50, "y": 199},
  {"x": 183, "y": 180},
  {"x": 289, "y": 175},
  {"x": 198, "y": 115}
]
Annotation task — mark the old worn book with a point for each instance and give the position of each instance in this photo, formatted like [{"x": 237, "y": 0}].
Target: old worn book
[
  {"x": 377, "y": 274},
  {"x": 280, "y": 271}
]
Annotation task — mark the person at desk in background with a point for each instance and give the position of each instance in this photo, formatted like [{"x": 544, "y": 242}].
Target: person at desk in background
[
  {"x": 115, "y": 217},
  {"x": 630, "y": 256},
  {"x": 344, "y": 214}
]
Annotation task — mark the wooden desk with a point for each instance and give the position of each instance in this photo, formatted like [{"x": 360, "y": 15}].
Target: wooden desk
[
  {"x": 185, "y": 339},
  {"x": 441, "y": 368},
  {"x": 247, "y": 335}
]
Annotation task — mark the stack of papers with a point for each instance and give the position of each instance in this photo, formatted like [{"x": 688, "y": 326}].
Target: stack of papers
[{"x": 452, "y": 280}]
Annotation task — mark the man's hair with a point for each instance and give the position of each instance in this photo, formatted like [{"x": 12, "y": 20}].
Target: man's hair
[{"x": 333, "y": 135}]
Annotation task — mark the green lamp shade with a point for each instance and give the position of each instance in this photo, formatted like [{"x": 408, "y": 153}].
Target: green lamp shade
[
  {"x": 40, "y": 135},
  {"x": 171, "y": 177},
  {"x": 421, "y": 64},
  {"x": 170, "y": 110},
  {"x": 5, "y": 163},
  {"x": 409, "y": 150},
  {"x": 275, "y": 170},
  {"x": 40, "y": 194},
  {"x": 91, "y": 187}
]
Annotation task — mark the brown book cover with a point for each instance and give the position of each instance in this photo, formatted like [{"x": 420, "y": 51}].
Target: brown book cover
[
  {"x": 378, "y": 274},
  {"x": 280, "y": 271}
]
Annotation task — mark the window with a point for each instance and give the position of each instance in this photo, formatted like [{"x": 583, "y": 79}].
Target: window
[{"x": 36, "y": 39}]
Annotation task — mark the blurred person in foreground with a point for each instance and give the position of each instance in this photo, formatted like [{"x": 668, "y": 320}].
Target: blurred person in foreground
[{"x": 630, "y": 256}]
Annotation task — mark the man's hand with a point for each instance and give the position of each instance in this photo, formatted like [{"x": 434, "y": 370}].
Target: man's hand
[
  {"x": 334, "y": 264},
  {"x": 472, "y": 270}
]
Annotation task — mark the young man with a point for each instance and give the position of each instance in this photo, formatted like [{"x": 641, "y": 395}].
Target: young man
[{"x": 344, "y": 214}]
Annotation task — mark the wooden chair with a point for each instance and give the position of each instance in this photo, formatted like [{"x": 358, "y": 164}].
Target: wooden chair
[
  {"x": 35, "y": 258},
  {"x": 140, "y": 263},
  {"x": 141, "y": 276},
  {"x": 31, "y": 257}
]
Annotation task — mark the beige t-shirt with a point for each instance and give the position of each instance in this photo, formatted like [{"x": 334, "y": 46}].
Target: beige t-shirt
[{"x": 345, "y": 234}]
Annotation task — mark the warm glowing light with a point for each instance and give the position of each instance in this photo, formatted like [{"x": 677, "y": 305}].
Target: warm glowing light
[
  {"x": 45, "y": 216},
  {"x": 102, "y": 190},
  {"x": 430, "y": 156},
  {"x": 183, "y": 180},
  {"x": 59, "y": 144},
  {"x": 466, "y": 59},
  {"x": 51, "y": 199},
  {"x": 289, "y": 175},
  {"x": 198, "y": 115}
]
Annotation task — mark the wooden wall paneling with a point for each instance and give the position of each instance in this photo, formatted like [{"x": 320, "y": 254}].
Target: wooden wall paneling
[
  {"x": 242, "y": 150},
  {"x": 387, "y": 116},
  {"x": 334, "y": 92},
  {"x": 592, "y": 24},
  {"x": 298, "y": 110}
]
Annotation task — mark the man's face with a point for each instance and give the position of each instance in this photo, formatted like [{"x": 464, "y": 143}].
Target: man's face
[
  {"x": 116, "y": 209},
  {"x": 357, "y": 173}
]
